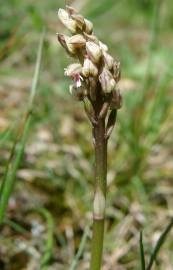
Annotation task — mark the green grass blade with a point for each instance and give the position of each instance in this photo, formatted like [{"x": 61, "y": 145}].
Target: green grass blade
[
  {"x": 159, "y": 243},
  {"x": 142, "y": 255},
  {"x": 81, "y": 248},
  {"x": 49, "y": 242},
  {"x": 10, "y": 175},
  {"x": 19, "y": 144},
  {"x": 37, "y": 70},
  {"x": 152, "y": 44},
  {"x": 18, "y": 228},
  {"x": 5, "y": 135}
]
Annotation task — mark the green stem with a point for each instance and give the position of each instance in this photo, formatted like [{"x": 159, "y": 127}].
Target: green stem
[{"x": 100, "y": 194}]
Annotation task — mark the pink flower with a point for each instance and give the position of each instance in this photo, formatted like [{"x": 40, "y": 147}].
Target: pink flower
[{"x": 74, "y": 71}]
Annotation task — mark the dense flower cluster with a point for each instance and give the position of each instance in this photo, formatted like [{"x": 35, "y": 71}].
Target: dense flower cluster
[{"x": 95, "y": 70}]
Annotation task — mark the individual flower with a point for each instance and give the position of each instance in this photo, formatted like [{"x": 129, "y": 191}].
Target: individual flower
[
  {"x": 92, "y": 38},
  {"x": 64, "y": 41},
  {"x": 79, "y": 20},
  {"x": 89, "y": 68},
  {"x": 107, "y": 81},
  {"x": 108, "y": 59},
  {"x": 78, "y": 92},
  {"x": 67, "y": 20},
  {"x": 88, "y": 26},
  {"x": 103, "y": 46},
  {"x": 116, "y": 101},
  {"x": 77, "y": 41},
  {"x": 74, "y": 71},
  {"x": 116, "y": 71},
  {"x": 94, "y": 52}
]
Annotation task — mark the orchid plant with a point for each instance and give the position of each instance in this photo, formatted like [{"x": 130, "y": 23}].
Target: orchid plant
[{"x": 95, "y": 76}]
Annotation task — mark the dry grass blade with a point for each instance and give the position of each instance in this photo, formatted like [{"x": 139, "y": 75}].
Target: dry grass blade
[{"x": 20, "y": 142}]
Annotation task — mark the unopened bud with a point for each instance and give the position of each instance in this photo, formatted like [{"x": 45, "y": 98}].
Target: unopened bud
[
  {"x": 64, "y": 41},
  {"x": 77, "y": 41},
  {"x": 116, "y": 102},
  {"x": 109, "y": 60},
  {"x": 99, "y": 204},
  {"x": 67, "y": 20},
  {"x": 89, "y": 69},
  {"x": 77, "y": 92},
  {"x": 103, "y": 46},
  {"x": 92, "y": 88},
  {"x": 91, "y": 38},
  {"x": 93, "y": 50},
  {"x": 88, "y": 109},
  {"x": 116, "y": 71},
  {"x": 71, "y": 10},
  {"x": 88, "y": 26},
  {"x": 79, "y": 20},
  {"x": 73, "y": 69},
  {"x": 107, "y": 81}
]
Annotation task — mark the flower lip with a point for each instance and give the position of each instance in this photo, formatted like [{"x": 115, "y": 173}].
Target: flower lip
[
  {"x": 74, "y": 71},
  {"x": 77, "y": 80}
]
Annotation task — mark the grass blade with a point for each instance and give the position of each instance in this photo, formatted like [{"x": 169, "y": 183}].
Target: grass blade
[
  {"x": 37, "y": 70},
  {"x": 20, "y": 142},
  {"x": 10, "y": 175},
  {"x": 159, "y": 243},
  {"x": 48, "y": 250},
  {"x": 152, "y": 44},
  {"x": 142, "y": 255},
  {"x": 49, "y": 242},
  {"x": 18, "y": 228},
  {"x": 81, "y": 248},
  {"x": 5, "y": 135}
]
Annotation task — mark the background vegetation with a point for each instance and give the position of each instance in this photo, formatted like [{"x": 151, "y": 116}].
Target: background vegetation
[{"x": 49, "y": 210}]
